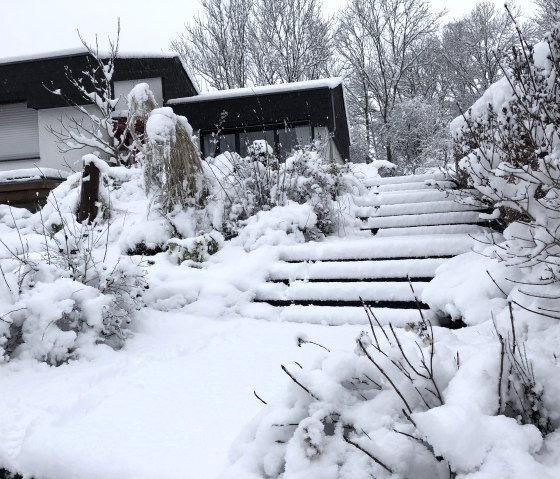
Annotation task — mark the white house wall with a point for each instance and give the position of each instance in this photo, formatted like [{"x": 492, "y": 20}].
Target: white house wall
[
  {"x": 51, "y": 156},
  {"x": 122, "y": 88}
]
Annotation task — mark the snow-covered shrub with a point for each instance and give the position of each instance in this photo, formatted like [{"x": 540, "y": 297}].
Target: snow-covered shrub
[
  {"x": 172, "y": 169},
  {"x": 195, "y": 250},
  {"x": 260, "y": 182},
  {"x": 243, "y": 185},
  {"x": 306, "y": 178},
  {"x": 61, "y": 289},
  {"x": 289, "y": 224},
  {"x": 507, "y": 146},
  {"x": 421, "y": 402}
]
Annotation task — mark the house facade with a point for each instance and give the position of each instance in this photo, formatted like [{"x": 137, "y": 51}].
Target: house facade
[
  {"x": 28, "y": 108},
  {"x": 286, "y": 116}
]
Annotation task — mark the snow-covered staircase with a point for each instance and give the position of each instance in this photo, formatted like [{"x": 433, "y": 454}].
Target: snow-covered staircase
[{"x": 415, "y": 228}]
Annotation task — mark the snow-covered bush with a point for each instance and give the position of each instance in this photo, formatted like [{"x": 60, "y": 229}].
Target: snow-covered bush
[
  {"x": 306, "y": 178},
  {"x": 195, "y": 250},
  {"x": 289, "y": 224},
  {"x": 421, "y": 402},
  {"x": 61, "y": 289},
  {"x": 244, "y": 185},
  {"x": 507, "y": 147},
  {"x": 260, "y": 182}
]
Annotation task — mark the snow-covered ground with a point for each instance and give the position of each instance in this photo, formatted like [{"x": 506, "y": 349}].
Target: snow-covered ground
[
  {"x": 171, "y": 402},
  {"x": 178, "y": 399},
  {"x": 168, "y": 406}
]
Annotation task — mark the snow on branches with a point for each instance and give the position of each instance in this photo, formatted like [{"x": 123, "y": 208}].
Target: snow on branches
[{"x": 508, "y": 146}]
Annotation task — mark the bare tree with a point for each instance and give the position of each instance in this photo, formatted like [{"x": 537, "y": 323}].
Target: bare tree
[
  {"x": 548, "y": 12},
  {"x": 91, "y": 96},
  {"x": 474, "y": 48},
  {"x": 381, "y": 42},
  {"x": 291, "y": 41},
  {"x": 216, "y": 46}
]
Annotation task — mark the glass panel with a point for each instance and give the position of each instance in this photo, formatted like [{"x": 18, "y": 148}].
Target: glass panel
[
  {"x": 303, "y": 134},
  {"x": 210, "y": 142},
  {"x": 247, "y": 138},
  {"x": 214, "y": 144},
  {"x": 291, "y": 138},
  {"x": 227, "y": 142}
]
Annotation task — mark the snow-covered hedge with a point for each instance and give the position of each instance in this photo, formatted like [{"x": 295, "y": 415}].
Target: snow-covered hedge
[
  {"x": 61, "y": 291},
  {"x": 421, "y": 402},
  {"x": 260, "y": 182},
  {"x": 507, "y": 146}
]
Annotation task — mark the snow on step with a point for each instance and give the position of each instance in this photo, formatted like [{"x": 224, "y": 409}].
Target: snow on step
[
  {"x": 404, "y": 179},
  {"x": 424, "y": 219},
  {"x": 379, "y": 248},
  {"x": 336, "y": 291},
  {"x": 444, "y": 206},
  {"x": 474, "y": 230},
  {"x": 410, "y": 186},
  {"x": 333, "y": 316},
  {"x": 410, "y": 196},
  {"x": 414, "y": 268},
  {"x": 398, "y": 197}
]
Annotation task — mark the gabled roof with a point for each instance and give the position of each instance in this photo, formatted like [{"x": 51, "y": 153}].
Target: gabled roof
[
  {"x": 24, "y": 78},
  {"x": 330, "y": 83}
]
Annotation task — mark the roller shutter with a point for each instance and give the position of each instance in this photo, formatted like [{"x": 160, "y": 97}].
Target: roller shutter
[{"x": 19, "y": 132}]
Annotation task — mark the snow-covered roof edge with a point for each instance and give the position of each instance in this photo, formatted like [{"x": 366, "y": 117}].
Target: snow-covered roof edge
[
  {"x": 330, "y": 83},
  {"x": 82, "y": 50},
  {"x": 32, "y": 174}
]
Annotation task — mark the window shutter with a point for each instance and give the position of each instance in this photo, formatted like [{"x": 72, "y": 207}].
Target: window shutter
[{"x": 19, "y": 132}]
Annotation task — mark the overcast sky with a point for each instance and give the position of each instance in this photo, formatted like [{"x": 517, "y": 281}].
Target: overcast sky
[{"x": 36, "y": 26}]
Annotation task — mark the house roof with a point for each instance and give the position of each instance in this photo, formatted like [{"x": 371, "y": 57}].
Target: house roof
[
  {"x": 330, "y": 83},
  {"x": 24, "y": 78},
  {"x": 81, "y": 51}
]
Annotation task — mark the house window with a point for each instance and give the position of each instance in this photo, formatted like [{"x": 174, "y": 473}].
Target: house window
[
  {"x": 290, "y": 138},
  {"x": 19, "y": 132},
  {"x": 282, "y": 138},
  {"x": 247, "y": 138},
  {"x": 214, "y": 144}
]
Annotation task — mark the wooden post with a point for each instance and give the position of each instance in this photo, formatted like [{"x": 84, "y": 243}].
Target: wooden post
[{"x": 87, "y": 210}]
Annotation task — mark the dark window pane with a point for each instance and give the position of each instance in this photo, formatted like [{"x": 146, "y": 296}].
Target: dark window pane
[
  {"x": 291, "y": 138},
  {"x": 215, "y": 144},
  {"x": 209, "y": 141},
  {"x": 247, "y": 138},
  {"x": 227, "y": 142}
]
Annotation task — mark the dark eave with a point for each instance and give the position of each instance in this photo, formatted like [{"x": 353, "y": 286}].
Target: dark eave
[{"x": 26, "y": 81}]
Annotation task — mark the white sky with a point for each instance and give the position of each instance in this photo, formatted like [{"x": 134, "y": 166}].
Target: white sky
[{"x": 36, "y": 26}]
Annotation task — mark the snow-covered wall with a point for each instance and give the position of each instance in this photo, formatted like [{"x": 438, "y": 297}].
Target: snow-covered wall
[{"x": 50, "y": 154}]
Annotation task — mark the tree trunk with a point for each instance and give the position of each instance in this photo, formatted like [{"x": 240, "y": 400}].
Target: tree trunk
[{"x": 87, "y": 210}]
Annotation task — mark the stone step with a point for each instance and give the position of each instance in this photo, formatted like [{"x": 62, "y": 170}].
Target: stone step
[
  {"x": 444, "y": 206},
  {"x": 395, "y": 180},
  {"x": 471, "y": 229},
  {"x": 332, "y": 315},
  {"x": 427, "y": 219},
  {"x": 381, "y": 270},
  {"x": 413, "y": 186},
  {"x": 348, "y": 293},
  {"x": 406, "y": 247}
]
